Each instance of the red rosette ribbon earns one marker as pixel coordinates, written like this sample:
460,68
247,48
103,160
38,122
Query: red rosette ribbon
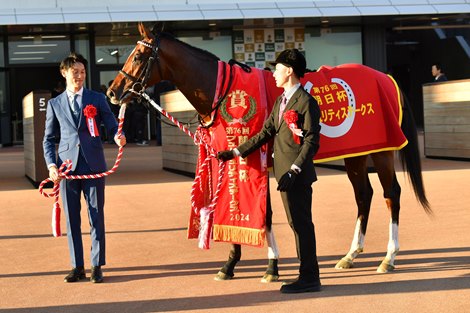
90,113
291,118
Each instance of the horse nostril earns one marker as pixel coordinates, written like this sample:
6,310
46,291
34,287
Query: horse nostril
110,94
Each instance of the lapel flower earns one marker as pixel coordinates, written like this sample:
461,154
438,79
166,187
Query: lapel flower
90,112
291,117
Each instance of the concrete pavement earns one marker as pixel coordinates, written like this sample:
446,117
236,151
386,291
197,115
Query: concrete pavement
152,267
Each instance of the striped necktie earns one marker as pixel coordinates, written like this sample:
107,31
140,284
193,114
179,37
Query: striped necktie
282,107
75,108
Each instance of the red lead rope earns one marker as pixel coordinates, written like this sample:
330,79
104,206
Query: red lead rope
206,152
65,168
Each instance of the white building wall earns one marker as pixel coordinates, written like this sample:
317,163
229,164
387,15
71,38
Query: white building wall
92,11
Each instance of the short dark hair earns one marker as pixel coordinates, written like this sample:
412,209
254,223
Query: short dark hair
438,66
71,59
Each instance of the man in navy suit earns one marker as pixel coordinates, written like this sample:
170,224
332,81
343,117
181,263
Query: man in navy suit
80,142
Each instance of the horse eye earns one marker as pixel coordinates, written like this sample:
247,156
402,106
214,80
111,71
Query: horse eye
138,57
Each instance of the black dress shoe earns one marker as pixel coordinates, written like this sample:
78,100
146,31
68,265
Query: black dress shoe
300,286
75,274
96,274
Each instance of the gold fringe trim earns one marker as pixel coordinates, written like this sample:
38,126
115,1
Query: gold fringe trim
241,235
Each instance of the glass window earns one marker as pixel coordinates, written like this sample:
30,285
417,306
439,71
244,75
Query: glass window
2,56
113,54
113,46
333,46
82,46
38,49
107,76
3,100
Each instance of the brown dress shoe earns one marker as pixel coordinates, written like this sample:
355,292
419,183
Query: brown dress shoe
75,274
96,274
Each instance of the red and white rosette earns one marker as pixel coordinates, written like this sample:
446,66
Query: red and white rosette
291,118
90,112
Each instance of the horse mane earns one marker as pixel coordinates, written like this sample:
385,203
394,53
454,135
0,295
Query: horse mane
206,53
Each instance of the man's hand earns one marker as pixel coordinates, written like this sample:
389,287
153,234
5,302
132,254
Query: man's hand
54,174
120,141
225,155
287,181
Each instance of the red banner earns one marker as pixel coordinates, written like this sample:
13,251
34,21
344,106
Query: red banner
240,212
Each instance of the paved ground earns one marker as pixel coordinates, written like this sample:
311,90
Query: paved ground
152,267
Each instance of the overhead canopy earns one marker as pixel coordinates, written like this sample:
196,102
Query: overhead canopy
23,12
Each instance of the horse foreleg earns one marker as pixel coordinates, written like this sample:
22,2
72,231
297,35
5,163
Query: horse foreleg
226,272
392,199
357,173
272,272
392,193
388,264
357,246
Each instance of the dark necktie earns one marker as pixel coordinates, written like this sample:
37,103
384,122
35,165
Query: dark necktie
282,107
75,109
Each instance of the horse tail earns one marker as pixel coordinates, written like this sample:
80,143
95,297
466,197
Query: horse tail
410,156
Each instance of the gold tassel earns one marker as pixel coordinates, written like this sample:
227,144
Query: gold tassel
241,235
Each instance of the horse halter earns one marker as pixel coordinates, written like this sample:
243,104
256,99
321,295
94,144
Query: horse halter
140,83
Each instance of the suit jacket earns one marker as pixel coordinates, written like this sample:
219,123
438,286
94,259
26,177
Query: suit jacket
73,138
441,78
286,150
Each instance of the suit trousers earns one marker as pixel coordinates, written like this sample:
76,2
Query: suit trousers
298,205
93,191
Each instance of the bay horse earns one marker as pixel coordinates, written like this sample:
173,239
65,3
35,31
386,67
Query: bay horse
159,56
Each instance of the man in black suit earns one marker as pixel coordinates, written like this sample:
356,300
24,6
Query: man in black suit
438,73
294,125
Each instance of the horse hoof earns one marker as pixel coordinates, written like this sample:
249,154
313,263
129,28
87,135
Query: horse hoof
344,263
269,278
222,276
385,267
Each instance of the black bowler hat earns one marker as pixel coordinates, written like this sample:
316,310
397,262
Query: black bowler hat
292,58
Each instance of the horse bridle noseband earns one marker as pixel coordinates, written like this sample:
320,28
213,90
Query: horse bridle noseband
140,83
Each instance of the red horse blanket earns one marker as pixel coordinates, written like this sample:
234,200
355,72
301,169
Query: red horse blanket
360,114
361,111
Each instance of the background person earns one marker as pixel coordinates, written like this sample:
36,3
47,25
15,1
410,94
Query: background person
139,123
65,116
438,73
293,161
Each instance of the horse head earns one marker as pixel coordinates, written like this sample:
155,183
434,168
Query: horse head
138,71
160,56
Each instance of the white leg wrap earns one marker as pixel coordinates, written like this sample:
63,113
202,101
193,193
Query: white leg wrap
273,251
393,246
357,244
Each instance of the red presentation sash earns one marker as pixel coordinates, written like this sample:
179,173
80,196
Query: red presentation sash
240,212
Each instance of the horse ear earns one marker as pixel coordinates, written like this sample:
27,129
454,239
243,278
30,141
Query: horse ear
144,31
158,28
